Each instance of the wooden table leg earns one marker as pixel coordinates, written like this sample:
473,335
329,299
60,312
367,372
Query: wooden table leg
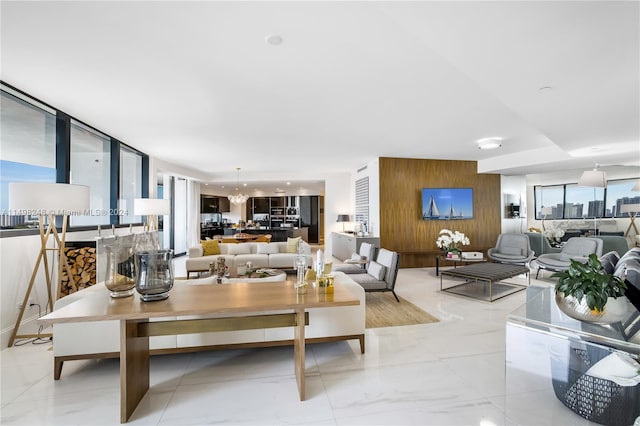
298,352
134,367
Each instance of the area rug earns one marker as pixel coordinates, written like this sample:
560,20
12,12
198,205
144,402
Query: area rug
383,310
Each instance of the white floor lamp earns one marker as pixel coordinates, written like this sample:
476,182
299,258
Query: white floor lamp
596,179
46,200
151,208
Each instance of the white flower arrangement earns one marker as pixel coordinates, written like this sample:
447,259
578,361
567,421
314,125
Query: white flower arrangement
554,234
451,240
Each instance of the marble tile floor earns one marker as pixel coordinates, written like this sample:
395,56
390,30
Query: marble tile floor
447,373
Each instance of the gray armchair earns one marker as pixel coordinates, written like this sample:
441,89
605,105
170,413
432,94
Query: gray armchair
615,243
381,274
511,248
366,252
577,248
540,244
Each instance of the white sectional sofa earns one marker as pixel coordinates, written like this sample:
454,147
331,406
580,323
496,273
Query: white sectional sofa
101,339
262,255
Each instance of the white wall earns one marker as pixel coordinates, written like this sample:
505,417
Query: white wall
337,200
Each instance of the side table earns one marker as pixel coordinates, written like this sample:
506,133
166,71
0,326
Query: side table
455,261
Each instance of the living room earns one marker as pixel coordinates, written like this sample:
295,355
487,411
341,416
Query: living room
328,93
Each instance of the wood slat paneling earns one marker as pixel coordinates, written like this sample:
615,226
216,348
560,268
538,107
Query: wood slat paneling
401,226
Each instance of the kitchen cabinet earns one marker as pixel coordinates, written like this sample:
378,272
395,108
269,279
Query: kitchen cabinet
310,216
214,204
343,245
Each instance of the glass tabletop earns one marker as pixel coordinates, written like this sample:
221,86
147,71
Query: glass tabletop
541,312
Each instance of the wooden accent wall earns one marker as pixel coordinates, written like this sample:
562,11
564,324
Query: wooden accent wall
401,226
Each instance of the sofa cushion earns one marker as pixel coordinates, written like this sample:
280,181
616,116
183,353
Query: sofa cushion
376,270
292,244
266,248
241,248
210,247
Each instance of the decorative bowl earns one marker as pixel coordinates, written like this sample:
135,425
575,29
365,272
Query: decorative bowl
615,310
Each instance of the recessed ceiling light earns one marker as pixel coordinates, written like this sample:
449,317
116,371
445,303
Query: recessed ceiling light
489,143
545,88
274,40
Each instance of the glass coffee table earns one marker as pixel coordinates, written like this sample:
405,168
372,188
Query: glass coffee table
548,359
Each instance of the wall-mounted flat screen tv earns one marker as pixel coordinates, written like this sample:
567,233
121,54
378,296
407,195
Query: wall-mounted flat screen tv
447,203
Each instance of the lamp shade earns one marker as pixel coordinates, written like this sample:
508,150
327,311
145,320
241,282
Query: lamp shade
593,178
343,218
30,198
636,187
630,208
151,206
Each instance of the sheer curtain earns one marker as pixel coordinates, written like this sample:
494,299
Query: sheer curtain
193,213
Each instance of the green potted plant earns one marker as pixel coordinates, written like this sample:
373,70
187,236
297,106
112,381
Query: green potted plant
586,292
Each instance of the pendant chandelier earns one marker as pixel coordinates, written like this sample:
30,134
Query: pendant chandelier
238,198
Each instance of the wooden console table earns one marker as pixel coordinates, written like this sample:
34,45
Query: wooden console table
248,298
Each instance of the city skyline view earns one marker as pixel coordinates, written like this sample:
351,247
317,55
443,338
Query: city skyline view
585,202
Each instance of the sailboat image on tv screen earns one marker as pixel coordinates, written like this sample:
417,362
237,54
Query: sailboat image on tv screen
432,211
446,203
451,214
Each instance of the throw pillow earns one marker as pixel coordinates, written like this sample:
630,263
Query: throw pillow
239,248
376,270
210,247
292,244
356,256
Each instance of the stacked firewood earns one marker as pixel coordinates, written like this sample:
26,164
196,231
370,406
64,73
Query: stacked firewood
82,267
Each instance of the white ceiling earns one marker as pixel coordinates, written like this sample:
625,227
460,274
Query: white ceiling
196,85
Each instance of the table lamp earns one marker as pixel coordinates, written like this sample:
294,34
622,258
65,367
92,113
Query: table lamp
47,200
151,208
343,218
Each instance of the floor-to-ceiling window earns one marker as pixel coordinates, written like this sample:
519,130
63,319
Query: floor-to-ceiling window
90,165
130,184
28,150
